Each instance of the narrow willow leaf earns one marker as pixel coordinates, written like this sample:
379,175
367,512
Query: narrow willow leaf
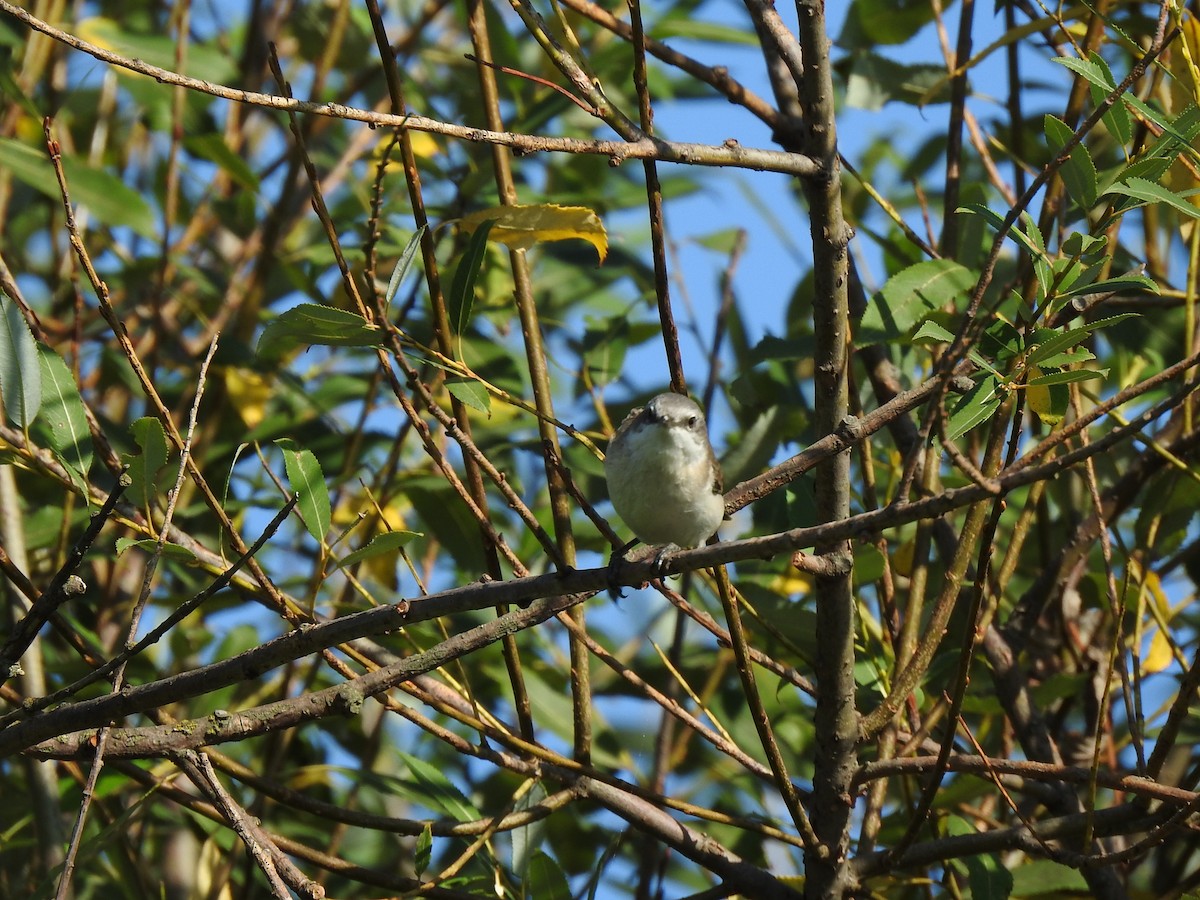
528,839
1078,172
402,265
433,789
307,481
462,291
169,549
1087,69
20,374
520,227
1116,286
1149,192
975,407
63,418
388,542
1070,376
312,323
1116,119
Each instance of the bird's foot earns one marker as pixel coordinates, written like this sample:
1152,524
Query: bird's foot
614,570
662,559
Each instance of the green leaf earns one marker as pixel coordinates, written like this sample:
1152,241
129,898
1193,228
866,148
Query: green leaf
1068,377
144,467
471,393
424,850
1001,340
1078,172
875,80
931,332
1087,69
1115,286
1046,343
212,147
387,542
546,880
975,407
313,323
988,877
20,373
434,790
170,550
462,290
911,295
1046,878
1116,119
1149,192
9,87
686,26
402,264
306,479
528,839
106,196
63,419
997,222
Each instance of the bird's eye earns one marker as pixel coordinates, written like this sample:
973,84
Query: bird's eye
692,422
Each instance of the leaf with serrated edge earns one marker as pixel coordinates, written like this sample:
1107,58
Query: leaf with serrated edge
402,265
976,406
306,479
62,415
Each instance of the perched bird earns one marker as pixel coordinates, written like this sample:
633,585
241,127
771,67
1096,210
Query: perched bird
663,477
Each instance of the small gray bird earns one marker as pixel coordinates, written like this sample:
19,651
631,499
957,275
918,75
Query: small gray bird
663,477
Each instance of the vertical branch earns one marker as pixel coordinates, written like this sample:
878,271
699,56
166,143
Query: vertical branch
836,722
662,291
954,138
560,500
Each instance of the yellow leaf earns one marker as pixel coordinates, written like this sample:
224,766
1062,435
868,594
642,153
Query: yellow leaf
1159,656
902,558
792,583
424,146
1182,91
249,391
1040,400
521,227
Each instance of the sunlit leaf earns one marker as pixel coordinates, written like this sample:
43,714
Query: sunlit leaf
249,391
975,407
1149,192
145,466
403,264
312,323
910,295
62,418
306,480
471,393
521,227
1078,172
